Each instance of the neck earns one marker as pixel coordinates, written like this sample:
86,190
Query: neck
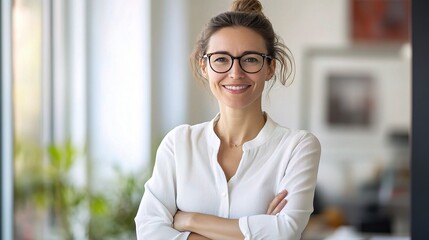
234,128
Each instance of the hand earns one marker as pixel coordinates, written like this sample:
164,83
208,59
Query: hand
182,221
278,203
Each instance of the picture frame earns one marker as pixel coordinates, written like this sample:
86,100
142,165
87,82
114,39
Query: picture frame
380,21
349,93
371,83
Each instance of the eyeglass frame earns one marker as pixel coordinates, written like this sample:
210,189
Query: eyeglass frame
264,56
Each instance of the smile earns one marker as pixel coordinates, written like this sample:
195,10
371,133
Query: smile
236,88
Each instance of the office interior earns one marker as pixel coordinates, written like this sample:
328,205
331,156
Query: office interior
97,84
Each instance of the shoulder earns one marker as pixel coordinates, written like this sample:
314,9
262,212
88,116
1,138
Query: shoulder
297,138
181,138
189,129
305,144
299,147
305,136
288,134
186,131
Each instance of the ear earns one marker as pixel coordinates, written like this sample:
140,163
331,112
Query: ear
203,68
271,70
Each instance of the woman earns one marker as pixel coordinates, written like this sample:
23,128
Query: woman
227,178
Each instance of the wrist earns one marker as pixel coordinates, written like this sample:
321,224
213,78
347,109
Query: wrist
191,221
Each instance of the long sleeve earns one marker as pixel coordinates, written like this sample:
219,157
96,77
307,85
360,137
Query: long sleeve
187,176
300,181
154,218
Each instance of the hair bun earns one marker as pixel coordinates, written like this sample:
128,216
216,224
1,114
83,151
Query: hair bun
249,6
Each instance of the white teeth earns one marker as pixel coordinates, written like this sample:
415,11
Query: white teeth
235,88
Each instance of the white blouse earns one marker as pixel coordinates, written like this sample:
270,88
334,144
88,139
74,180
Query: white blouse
187,176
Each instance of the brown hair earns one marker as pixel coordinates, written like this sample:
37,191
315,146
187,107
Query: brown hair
246,13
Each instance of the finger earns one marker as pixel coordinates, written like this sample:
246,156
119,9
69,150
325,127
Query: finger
279,207
281,195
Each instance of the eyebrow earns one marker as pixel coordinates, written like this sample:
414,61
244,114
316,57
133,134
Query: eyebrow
244,53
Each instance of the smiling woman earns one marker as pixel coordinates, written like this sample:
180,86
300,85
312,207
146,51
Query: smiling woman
239,85
240,175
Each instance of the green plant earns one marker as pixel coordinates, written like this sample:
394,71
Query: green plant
44,182
114,218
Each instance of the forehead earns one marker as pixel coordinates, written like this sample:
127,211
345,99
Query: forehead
236,40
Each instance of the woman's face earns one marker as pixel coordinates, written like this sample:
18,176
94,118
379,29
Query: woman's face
237,88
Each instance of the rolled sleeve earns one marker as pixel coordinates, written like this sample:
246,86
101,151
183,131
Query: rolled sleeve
281,227
154,219
300,180
244,227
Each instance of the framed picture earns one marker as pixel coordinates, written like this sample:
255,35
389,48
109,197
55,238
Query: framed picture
350,98
353,99
380,20
354,95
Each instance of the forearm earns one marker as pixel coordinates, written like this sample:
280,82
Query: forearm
159,231
196,236
214,227
203,226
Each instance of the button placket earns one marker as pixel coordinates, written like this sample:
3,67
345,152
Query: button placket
224,201
222,187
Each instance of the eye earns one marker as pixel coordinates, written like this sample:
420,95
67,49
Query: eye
252,58
220,58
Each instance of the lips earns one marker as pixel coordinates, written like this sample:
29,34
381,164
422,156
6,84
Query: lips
236,87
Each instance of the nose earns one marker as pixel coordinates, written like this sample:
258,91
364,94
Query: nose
236,72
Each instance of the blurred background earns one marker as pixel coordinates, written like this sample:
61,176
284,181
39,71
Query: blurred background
95,85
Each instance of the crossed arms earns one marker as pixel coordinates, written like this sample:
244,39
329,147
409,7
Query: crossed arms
204,226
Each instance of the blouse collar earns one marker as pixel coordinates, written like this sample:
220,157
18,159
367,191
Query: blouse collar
263,136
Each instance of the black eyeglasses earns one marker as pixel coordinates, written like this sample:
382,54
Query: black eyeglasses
251,62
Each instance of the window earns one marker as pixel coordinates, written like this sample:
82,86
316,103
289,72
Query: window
81,109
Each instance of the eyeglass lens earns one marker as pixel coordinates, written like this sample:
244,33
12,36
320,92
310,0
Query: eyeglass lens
250,63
